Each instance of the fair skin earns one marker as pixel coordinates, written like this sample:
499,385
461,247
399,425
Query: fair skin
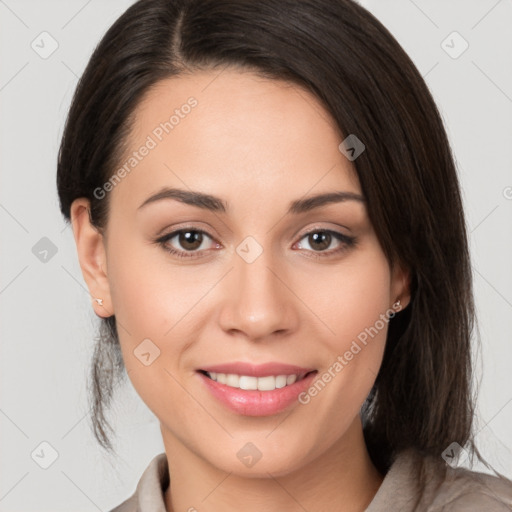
257,144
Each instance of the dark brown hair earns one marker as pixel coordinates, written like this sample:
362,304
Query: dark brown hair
344,56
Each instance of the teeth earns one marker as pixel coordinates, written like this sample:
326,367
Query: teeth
268,383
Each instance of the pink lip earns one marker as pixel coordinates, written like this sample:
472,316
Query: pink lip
255,402
257,370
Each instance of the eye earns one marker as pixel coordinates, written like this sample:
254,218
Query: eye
190,242
321,239
187,240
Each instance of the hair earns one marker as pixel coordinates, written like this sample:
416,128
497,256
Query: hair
350,62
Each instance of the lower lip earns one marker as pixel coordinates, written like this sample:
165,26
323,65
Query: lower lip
255,402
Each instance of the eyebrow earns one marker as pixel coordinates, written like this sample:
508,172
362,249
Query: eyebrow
215,204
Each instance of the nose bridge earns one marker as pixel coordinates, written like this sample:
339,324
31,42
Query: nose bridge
258,303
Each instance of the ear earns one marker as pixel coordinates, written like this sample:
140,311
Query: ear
92,257
400,285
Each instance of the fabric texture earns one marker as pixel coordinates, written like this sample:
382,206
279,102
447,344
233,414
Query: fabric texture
446,488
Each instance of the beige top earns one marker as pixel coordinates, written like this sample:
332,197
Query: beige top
447,489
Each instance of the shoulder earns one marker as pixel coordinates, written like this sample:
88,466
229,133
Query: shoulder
423,483
129,505
465,490
149,494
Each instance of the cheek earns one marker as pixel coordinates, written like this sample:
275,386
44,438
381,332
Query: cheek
157,306
139,291
356,296
149,294
355,307
149,312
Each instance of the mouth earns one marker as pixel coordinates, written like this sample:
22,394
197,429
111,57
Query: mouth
273,389
252,382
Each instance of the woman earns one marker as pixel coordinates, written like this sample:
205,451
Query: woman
268,217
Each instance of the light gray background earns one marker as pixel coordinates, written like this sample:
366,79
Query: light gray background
47,324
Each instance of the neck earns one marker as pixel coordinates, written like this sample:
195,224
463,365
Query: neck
341,478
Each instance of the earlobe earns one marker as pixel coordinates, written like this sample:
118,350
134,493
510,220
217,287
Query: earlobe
92,257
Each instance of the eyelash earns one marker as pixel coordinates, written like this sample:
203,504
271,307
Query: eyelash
347,242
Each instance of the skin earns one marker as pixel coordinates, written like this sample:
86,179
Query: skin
258,144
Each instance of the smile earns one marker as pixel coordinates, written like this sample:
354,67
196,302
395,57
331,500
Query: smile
249,382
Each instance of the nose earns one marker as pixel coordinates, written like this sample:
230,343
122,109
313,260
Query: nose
258,302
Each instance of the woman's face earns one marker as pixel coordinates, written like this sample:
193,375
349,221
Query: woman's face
255,280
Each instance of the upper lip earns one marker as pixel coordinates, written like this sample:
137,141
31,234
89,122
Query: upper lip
257,370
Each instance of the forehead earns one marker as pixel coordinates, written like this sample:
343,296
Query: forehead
232,132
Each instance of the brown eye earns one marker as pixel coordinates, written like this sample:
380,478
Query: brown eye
320,240
190,240
186,243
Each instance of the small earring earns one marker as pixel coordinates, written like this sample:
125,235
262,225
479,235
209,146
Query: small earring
99,301
397,304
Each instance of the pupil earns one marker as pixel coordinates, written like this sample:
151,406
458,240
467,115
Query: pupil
321,239
190,239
